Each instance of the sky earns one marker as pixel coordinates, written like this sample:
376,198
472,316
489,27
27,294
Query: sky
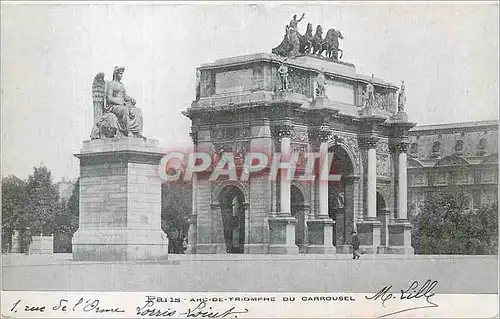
446,53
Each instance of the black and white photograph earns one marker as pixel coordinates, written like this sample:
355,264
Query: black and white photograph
249,159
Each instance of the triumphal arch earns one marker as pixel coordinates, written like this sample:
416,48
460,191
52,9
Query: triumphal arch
301,99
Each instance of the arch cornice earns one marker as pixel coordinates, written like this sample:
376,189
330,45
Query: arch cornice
219,187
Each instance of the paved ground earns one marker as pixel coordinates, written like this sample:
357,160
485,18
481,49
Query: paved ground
252,273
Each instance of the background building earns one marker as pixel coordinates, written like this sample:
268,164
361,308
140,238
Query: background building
463,155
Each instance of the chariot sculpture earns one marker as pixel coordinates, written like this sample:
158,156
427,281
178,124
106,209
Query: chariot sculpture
294,43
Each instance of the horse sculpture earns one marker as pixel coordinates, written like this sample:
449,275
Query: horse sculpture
317,41
331,44
306,40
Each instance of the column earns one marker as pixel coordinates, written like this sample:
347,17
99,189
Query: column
403,182
192,232
399,237
320,229
323,183
282,227
285,183
372,177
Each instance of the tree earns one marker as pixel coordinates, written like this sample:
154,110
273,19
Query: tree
13,203
176,207
67,221
13,200
42,204
446,225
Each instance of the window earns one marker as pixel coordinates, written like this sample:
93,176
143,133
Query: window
488,177
418,179
441,179
488,198
463,178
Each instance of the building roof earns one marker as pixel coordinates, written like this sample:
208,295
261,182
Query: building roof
459,125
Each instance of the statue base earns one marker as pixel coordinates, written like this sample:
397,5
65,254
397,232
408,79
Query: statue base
282,233
120,201
320,236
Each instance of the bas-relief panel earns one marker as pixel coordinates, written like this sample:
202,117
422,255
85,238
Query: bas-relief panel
383,165
230,133
234,81
300,82
340,92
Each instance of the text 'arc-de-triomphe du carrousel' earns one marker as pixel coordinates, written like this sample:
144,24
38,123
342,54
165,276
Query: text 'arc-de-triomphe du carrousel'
302,98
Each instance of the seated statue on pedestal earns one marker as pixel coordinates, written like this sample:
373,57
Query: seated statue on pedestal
115,114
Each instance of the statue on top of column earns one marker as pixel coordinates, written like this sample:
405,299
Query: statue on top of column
402,98
283,77
115,113
369,95
320,84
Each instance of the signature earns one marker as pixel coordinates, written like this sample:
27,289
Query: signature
202,310
412,292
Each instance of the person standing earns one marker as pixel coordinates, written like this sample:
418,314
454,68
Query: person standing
27,240
355,245
184,244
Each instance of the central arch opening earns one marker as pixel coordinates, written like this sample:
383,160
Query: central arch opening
338,193
298,211
232,200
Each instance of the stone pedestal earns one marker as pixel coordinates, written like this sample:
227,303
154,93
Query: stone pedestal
120,201
16,242
400,238
369,235
192,234
320,236
282,235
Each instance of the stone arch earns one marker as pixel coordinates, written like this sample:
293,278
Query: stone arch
298,210
381,202
225,184
233,215
413,163
356,169
303,190
452,160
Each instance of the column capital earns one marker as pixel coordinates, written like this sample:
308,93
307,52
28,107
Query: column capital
370,141
192,218
279,131
320,134
398,147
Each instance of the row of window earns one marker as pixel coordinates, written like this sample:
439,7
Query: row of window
445,178
477,198
459,146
